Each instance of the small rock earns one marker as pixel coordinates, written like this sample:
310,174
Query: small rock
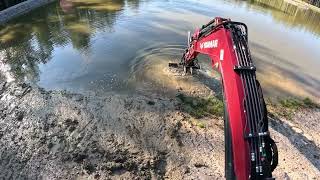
24,85
2,85
78,158
78,98
129,165
90,168
297,130
50,145
308,136
199,165
286,176
19,116
72,128
96,176
113,166
69,122
46,128
42,140
186,170
134,151
151,103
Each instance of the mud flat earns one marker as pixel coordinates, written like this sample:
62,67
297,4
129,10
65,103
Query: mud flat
60,135
55,135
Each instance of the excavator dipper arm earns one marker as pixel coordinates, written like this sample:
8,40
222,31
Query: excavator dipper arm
250,152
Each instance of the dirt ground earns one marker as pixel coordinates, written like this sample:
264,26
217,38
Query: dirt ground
60,135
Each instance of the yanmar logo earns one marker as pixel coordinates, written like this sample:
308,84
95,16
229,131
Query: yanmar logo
209,44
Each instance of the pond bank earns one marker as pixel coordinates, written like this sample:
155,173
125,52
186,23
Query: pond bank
21,8
305,5
60,135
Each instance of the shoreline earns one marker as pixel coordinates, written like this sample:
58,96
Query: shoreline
21,9
304,4
57,134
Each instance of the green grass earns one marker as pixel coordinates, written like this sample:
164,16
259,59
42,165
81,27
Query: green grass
288,106
294,103
201,107
309,103
291,103
201,125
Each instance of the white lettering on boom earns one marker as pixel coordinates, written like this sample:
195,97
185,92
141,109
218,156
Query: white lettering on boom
209,44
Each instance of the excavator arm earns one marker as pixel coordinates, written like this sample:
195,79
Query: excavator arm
250,151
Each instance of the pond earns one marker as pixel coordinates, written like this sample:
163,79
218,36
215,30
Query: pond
104,45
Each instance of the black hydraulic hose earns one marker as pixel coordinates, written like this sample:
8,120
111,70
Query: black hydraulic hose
249,110
252,78
253,81
252,103
265,166
254,100
256,108
247,105
253,87
256,87
262,140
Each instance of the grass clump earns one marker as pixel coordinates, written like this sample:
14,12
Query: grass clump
201,125
288,106
294,103
309,103
291,103
200,107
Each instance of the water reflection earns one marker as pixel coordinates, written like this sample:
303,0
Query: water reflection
30,40
291,14
93,44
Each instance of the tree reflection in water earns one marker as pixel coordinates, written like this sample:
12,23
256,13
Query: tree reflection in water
290,14
30,40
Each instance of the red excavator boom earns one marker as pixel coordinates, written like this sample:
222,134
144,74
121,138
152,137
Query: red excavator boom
250,151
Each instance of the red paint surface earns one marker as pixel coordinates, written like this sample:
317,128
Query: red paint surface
233,91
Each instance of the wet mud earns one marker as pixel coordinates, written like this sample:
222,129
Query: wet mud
60,135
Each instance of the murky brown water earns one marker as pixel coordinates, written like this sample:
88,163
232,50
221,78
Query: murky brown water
104,45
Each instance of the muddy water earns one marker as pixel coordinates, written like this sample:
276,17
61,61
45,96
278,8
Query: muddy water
125,45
